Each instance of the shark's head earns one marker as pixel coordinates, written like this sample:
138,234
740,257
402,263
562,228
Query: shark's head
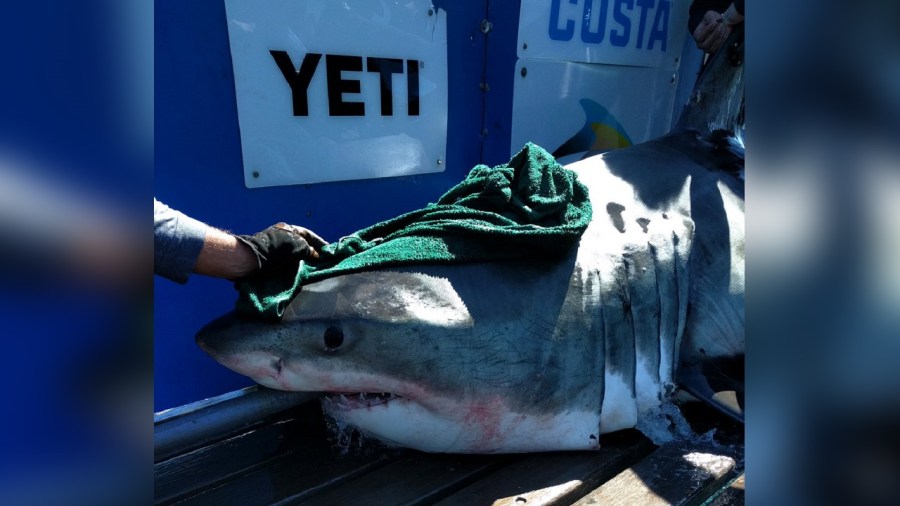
399,356
368,341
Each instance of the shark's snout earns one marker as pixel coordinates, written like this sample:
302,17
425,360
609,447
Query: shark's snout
223,333
243,345
215,327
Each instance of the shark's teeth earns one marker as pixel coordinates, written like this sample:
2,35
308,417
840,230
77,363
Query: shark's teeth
365,397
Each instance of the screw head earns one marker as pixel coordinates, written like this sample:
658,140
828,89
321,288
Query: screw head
255,173
524,72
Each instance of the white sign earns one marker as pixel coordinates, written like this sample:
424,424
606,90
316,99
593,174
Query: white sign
338,90
585,106
646,33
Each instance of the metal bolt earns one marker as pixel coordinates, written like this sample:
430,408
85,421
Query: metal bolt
431,12
440,162
255,173
486,26
525,45
524,72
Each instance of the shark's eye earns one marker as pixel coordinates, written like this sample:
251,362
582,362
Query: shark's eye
334,338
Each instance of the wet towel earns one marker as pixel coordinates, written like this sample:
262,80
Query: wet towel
531,207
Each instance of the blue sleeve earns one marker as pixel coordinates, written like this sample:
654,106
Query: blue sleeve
177,241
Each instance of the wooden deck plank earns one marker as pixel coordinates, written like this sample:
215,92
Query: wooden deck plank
418,478
679,474
292,458
191,472
553,478
208,466
732,495
180,430
291,479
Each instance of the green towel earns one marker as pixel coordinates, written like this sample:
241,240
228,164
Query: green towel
531,207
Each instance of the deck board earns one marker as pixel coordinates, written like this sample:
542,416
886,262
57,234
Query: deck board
219,462
417,478
296,459
553,478
290,479
678,474
732,495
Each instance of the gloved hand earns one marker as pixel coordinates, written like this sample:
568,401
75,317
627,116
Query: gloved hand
282,245
712,31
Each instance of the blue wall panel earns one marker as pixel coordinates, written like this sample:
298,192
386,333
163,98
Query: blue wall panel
199,171
500,76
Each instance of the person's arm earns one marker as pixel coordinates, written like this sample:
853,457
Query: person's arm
224,256
183,245
177,242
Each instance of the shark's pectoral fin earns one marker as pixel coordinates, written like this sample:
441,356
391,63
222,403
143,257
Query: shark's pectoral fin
718,382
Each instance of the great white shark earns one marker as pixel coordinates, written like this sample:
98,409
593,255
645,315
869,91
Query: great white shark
534,355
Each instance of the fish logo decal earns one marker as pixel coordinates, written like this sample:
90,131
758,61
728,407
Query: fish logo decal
601,132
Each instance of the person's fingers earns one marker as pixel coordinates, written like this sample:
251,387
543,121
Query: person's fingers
715,39
707,26
706,42
712,41
721,35
703,31
311,237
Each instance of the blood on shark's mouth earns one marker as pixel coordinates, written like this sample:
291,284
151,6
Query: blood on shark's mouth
360,399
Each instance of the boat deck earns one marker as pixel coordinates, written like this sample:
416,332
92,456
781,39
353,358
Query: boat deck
290,456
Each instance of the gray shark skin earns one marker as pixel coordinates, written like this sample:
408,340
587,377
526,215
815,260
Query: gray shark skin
525,356
535,355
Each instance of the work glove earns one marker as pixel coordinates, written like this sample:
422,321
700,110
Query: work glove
282,246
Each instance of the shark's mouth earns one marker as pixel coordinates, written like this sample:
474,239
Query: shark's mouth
348,401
